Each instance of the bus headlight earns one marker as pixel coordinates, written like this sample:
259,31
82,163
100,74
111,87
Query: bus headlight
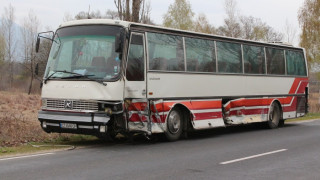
108,110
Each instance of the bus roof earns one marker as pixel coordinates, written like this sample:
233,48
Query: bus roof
127,24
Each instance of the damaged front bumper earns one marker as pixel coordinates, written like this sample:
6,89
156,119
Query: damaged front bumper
69,122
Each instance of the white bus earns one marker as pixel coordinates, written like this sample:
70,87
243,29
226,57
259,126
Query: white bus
105,77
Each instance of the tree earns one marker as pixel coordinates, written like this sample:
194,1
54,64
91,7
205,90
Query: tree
29,32
289,32
2,50
231,25
137,12
309,21
179,15
7,28
67,17
88,15
112,14
2,56
246,27
254,29
201,24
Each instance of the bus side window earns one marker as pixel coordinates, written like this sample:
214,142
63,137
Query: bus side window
200,55
275,61
254,61
229,57
295,63
165,52
135,64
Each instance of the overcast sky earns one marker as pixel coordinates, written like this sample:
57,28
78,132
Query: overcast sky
51,12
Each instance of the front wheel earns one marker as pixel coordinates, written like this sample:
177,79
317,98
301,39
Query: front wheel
274,116
174,125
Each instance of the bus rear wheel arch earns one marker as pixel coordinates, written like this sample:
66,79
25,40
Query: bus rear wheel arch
177,123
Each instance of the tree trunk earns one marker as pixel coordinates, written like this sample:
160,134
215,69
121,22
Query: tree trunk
136,10
30,85
127,18
31,80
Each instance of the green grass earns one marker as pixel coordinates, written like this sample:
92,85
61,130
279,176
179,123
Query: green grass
309,116
63,142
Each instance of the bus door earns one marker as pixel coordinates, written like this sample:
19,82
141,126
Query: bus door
135,85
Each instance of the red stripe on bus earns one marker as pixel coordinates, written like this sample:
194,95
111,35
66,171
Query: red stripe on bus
207,115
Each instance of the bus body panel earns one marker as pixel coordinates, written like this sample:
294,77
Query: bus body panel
209,85
208,100
88,90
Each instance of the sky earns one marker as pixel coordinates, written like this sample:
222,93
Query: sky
51,12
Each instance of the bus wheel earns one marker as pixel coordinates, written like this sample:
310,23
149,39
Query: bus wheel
274,116
174,125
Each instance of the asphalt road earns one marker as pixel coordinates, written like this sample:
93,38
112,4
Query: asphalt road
248,152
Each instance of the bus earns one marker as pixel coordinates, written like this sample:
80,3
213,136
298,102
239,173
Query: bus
104,77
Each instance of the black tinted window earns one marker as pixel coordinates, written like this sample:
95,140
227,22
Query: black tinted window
135,65
275,61
296,63
200,55
165,52
254,61
229,57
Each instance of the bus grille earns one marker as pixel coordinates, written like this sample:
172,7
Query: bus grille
57,104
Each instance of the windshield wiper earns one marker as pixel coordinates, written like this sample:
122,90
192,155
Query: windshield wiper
76,75
85,76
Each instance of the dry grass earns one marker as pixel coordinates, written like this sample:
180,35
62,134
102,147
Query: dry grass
18,119
314,102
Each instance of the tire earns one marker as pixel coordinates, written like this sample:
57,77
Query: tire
174,125
274,116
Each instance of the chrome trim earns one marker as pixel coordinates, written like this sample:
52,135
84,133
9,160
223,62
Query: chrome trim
101,119
59,117
53,124
77,105
85,127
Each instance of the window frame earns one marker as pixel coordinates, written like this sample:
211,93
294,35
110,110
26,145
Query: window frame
144,55
201,36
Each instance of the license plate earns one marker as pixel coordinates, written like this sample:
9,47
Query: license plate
68,126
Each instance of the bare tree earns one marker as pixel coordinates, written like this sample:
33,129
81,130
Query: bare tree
231,25
289,32
135,13
112,14
67,17
7,28
201,24
145,14
29,32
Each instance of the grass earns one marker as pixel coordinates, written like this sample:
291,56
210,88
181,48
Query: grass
63,142
308,116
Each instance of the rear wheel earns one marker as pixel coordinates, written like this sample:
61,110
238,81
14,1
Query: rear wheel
274,116
174,125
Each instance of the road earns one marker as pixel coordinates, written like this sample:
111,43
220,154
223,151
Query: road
247,152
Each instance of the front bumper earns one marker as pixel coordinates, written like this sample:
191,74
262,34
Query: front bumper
86,123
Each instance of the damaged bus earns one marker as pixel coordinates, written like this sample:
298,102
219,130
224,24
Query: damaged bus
105,77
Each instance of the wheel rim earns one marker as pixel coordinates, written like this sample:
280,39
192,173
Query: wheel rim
174,122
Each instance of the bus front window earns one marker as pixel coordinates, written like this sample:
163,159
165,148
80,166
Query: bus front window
85,50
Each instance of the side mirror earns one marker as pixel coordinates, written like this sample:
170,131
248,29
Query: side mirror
36,70
37,44
118,44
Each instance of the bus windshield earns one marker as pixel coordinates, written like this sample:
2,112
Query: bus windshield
84,50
